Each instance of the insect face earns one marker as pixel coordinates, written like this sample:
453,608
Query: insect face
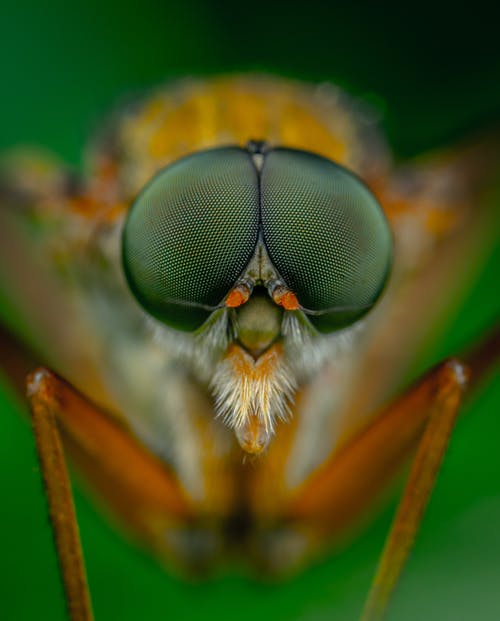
216,230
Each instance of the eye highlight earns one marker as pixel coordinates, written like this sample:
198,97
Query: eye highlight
326,235
190,233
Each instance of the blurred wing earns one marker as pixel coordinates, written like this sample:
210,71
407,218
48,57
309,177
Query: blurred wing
42,233
443,211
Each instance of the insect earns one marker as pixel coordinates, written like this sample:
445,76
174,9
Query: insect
239,282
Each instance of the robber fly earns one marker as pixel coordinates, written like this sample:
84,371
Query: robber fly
226,303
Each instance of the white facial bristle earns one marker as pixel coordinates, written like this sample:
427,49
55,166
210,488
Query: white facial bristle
238,396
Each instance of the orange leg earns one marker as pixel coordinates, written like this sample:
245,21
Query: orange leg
353,477
452,379
60,500
428,458
136,485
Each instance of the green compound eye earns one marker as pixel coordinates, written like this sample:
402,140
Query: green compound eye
190,233
326,235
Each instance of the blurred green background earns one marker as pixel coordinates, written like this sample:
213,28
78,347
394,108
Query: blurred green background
433,74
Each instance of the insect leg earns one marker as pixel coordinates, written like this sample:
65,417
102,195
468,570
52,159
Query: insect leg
354,476
138,487
453,377
59,496
448,382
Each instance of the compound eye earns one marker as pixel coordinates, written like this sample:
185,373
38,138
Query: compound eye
190,233
326,235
